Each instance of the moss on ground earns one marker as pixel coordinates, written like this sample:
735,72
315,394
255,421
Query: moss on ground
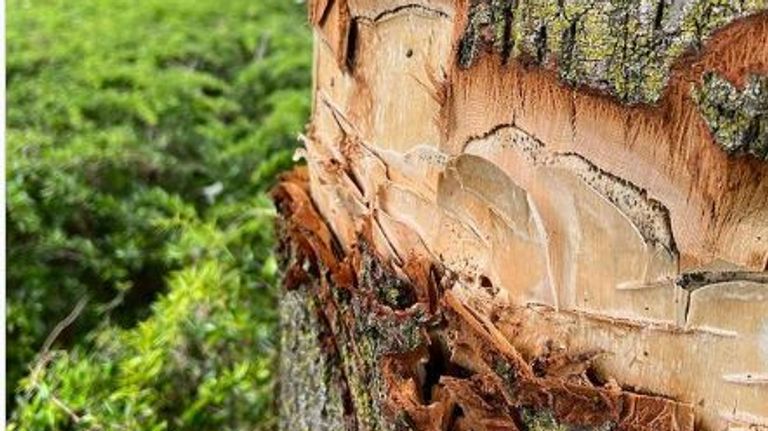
141,139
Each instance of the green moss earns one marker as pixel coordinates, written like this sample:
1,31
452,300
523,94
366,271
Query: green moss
389,289
403,421
738,119
504,370
543,420
141,137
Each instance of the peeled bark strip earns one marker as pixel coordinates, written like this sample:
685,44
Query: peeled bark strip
546,215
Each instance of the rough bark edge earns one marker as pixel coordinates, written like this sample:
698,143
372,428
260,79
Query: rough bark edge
411,355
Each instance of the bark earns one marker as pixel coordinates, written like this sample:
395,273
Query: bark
546,215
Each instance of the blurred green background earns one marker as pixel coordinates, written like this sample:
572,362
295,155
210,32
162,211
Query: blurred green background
141,139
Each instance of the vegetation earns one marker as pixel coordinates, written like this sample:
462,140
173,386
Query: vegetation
142,137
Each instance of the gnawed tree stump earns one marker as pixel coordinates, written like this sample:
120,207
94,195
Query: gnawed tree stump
546,215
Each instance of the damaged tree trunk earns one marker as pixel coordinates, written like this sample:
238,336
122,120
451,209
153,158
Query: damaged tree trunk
530,215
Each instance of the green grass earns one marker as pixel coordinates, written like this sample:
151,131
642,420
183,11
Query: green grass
142,137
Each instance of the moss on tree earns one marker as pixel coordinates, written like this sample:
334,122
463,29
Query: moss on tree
738,119
622,47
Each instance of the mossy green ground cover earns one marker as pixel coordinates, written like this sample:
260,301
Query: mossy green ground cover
141,138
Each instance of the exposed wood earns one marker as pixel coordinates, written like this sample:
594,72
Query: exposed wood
575,190
413,355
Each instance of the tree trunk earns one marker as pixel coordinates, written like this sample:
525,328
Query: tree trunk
544,215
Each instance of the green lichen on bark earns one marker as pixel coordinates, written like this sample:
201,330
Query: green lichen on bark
374,318
622,47
359,362
480,19
310,397
377,330
385,284
738,119
374,335
543,420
